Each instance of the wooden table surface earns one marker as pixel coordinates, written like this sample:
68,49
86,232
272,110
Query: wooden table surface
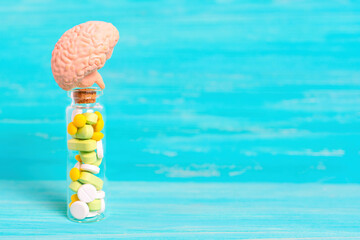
165,210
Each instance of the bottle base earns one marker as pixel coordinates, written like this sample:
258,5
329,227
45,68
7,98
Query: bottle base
96,218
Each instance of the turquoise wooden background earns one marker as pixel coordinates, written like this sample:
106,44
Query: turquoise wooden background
196,90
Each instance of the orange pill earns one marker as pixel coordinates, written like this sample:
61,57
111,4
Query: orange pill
74,198
79,120
71,129
99,126
74,174
97,136
78,158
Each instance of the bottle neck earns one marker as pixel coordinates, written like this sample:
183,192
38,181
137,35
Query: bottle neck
85,105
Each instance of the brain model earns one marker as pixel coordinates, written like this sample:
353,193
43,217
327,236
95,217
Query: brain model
80,52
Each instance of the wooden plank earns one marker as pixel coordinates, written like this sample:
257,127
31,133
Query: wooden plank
36,210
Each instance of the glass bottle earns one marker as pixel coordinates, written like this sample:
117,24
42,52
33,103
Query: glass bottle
86,183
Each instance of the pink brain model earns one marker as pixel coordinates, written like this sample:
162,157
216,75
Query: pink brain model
80,52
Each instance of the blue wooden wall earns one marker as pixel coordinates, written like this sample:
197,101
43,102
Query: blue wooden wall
196,90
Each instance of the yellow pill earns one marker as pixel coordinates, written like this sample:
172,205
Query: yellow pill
71,129
71,203
78,158
97,136
79,120
99,126
99,115
74,198
74,174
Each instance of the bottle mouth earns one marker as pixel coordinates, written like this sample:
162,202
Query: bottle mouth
85,95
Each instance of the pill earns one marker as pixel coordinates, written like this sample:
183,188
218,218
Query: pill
92,214
75,112
90,168
85,132
70,203
97,136
89,110
102,206
98,162
79,120
99,125
81,145
87,193
95,205
100,194
99,115
78,158
88,157
91,118
74,198
74,174
71,129
74,186
77,165
99,149
86,177
79,210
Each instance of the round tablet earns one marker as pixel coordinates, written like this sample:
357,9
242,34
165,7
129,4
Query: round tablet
79,210
102,209
87,193
100,194
90,168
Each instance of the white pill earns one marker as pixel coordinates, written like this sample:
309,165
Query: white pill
100,195
89,110
99,148
78,165
90,168
87,193
93,214
79,210
102,209
75,112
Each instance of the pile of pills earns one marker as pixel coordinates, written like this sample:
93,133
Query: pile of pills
85,130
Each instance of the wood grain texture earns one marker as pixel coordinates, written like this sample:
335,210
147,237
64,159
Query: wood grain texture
264,91
160,210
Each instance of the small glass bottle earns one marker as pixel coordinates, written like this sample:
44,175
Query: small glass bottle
86,181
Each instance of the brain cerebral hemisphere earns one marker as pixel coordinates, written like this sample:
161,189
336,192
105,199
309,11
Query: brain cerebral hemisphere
80,52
